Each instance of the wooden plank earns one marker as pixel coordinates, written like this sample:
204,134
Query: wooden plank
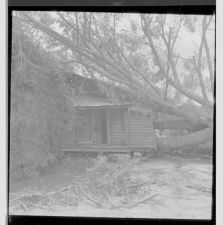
150,133
141,148
154,138
145,124
129,130
91,147
139,144
141,131
139,120
141,125
136,129
118,127
118,123
108,125
117,132
136,135
117,138
107,146
114,150
142,142
143,135
121,135
97,150
144,139
90,124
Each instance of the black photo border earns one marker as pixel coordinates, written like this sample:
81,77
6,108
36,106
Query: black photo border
198,7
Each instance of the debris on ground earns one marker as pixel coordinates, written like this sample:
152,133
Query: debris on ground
167,187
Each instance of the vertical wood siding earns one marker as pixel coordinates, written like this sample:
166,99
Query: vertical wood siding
119,127
141,130
139,127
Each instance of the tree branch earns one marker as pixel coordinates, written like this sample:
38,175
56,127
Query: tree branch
200,77
178,29
175,84
170,48
211,73
106,67
198,67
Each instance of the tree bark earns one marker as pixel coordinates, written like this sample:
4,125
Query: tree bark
177,124
192,139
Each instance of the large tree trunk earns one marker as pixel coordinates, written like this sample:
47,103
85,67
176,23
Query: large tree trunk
194,117
177,124
193,114
191,139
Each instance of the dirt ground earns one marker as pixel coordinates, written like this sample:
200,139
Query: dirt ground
181,188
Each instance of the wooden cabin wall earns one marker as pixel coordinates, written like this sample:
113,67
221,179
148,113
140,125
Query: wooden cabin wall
141,130
119,126
124,128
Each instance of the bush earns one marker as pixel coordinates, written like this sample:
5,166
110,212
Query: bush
40,109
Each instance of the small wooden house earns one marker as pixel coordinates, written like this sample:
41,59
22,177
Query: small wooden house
112,128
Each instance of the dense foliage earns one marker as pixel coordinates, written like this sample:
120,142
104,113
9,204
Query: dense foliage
40,108
139,54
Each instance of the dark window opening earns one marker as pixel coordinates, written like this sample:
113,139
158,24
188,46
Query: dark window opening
104,138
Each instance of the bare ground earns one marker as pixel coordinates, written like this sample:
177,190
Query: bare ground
170,188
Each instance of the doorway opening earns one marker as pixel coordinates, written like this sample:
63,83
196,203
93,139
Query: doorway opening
104,135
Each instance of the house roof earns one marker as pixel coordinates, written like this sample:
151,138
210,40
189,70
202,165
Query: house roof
141,109
84,102
91,102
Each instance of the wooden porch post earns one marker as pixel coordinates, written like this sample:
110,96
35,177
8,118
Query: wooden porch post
128,115
108,125
154,136
90,125
129,134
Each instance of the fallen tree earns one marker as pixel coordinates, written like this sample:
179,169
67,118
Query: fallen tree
103,52
177,125
191,139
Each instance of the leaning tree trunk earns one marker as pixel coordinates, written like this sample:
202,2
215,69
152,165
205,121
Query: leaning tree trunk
179,124
193,117
191,139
